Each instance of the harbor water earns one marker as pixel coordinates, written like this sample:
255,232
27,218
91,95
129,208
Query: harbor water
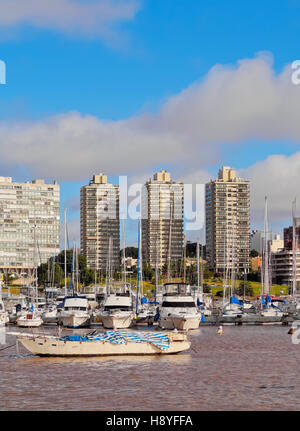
245,368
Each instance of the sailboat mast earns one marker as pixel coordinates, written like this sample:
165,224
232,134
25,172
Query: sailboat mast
201,271
71,275
198,269
34,299
266,251
65,257
77,269
124,257
109,265
184,259
225,267
138,270
156,269
170,241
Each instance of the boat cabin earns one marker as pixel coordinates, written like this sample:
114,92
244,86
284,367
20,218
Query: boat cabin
118,302
72,303
172,289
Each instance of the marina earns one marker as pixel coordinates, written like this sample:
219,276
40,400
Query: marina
149,210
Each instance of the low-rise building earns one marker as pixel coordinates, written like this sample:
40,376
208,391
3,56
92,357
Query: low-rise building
283,267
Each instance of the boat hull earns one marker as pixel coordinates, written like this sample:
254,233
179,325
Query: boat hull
23,322
185,322
117,322
4,319
166,323
75,321
41,346
50,317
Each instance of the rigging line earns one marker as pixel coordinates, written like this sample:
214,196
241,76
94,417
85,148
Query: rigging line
67,236
7,347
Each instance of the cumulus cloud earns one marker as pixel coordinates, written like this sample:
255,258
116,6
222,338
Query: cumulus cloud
76,17
231,105
278,178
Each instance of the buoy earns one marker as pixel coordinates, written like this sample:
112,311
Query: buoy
220,330
291,331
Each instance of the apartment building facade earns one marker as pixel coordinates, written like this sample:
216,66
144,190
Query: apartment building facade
29,225
288,235
100,224
285,266
227,201
162,220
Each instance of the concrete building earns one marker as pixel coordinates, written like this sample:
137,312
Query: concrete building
228,222
276,244
100,224
288,235
162,220
283,267
29,225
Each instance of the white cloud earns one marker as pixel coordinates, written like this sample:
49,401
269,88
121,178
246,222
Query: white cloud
75,17
278,178
231,105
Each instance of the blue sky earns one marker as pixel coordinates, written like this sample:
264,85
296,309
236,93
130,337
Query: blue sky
135,69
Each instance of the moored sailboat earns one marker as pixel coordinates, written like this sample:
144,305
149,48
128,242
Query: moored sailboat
105,344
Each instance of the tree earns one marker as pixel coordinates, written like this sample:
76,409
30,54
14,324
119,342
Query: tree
130,252
148,272
191,249
245,288
44,273
86,275
207,273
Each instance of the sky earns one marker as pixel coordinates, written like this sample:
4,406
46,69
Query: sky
129,87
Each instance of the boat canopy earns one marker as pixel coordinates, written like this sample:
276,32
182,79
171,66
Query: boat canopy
159,339
234,300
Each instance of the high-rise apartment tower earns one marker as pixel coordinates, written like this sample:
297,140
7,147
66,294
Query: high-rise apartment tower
100,224
228,222
29,225
162,220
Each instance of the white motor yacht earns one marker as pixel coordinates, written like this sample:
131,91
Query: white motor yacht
75,312
118,311
178,309
30,319
50,314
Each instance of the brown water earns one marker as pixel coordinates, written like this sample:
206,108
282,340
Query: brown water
246,368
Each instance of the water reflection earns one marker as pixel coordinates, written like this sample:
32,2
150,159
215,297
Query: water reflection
183,358
2,335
